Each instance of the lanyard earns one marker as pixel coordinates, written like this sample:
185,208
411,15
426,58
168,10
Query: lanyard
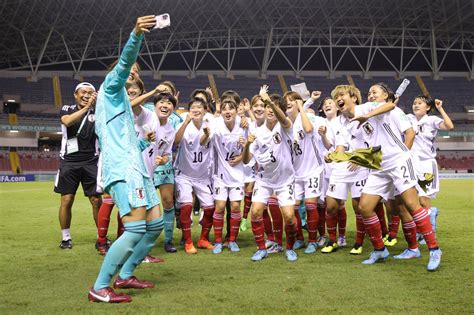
83,122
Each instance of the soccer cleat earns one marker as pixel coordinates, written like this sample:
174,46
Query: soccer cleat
259,255
107,295
149,259
102,248
291,255
132,283
234,247
377,256
243,225
298,245
435,259
341,241
433,215
408,254
329,247
169,247
205,244
390,242
356,250
269,244
311,248
67,244
190,249
275,249
217,248
321,240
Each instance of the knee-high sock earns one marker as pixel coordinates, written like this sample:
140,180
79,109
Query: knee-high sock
394,225
322,219
423,224
409,230
247,203
235,217
207,221
218,222
299,229
331,223
302,212
312,216
120,227
267,223
372,227
290,231
143,247
342,221
103,220
119,252
379,210
185,220
258,231
360,230
168,219
277,220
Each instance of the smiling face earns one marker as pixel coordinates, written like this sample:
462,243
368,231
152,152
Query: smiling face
377,94
269,114
258,109
134,74
133,91
291,106
82,96
345,102
330,108
420,108
228,112
197,110
163,108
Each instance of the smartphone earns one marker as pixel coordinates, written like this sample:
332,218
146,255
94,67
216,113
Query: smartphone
162,21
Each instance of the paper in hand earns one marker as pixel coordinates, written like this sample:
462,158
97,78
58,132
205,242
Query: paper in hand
301,89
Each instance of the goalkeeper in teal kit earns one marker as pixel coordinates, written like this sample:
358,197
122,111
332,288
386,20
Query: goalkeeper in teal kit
125,177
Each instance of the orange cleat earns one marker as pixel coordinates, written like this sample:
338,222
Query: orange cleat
190,249
205,244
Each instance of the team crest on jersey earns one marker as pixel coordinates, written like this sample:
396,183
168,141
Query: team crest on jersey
367,127
301,135
140,193
91,118
277,138
332,187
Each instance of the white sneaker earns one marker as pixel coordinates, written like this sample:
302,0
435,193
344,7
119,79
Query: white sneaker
321,240
341,241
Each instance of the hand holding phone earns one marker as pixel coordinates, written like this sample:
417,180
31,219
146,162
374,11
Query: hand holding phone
162,21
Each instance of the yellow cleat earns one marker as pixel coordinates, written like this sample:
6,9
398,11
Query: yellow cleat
190,249
390,242
329,248
356,250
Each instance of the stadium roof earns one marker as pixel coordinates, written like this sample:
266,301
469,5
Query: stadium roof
263,36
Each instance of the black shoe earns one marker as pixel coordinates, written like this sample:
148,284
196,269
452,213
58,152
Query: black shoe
66,244
169,247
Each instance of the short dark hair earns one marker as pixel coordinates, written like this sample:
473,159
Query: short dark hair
197,100
165,96
232,94
429,101
202,91
229,102
170,85
279,101
391,95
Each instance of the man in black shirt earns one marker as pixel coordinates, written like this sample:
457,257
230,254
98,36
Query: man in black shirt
79,157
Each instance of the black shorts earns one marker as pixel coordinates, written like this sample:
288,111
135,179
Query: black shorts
71,174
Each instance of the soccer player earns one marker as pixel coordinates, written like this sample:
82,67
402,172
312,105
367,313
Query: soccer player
271,147
307,164
78,158
125,177
228,175
193,173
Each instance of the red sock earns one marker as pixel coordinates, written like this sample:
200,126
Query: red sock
331,223
247,203
267,222
379,210
342,221
277,221
409,230
120,227
312,219
422,221
372,227
258,232
185,219
322,219
235,218
103,221
360,230
206,223
299,229
394,225
218,223
290,231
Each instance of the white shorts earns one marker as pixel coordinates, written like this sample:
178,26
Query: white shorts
249,173
309,187
285,194
391,182
222,191
340,190
429,166
202,189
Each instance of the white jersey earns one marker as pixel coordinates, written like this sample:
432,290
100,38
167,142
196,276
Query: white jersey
307,158
386,131
226,145
194,160
331,127
144,123
426,130
272,152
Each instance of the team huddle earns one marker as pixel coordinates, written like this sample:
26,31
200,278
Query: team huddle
290,164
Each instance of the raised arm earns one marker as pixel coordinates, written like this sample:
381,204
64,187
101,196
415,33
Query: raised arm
307,125
447,123
246,155
379,110
180,133
280,115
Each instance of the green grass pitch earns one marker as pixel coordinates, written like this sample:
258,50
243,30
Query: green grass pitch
38,277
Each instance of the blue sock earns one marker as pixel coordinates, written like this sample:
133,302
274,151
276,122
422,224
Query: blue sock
119,252
302,211
168,218
153,230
